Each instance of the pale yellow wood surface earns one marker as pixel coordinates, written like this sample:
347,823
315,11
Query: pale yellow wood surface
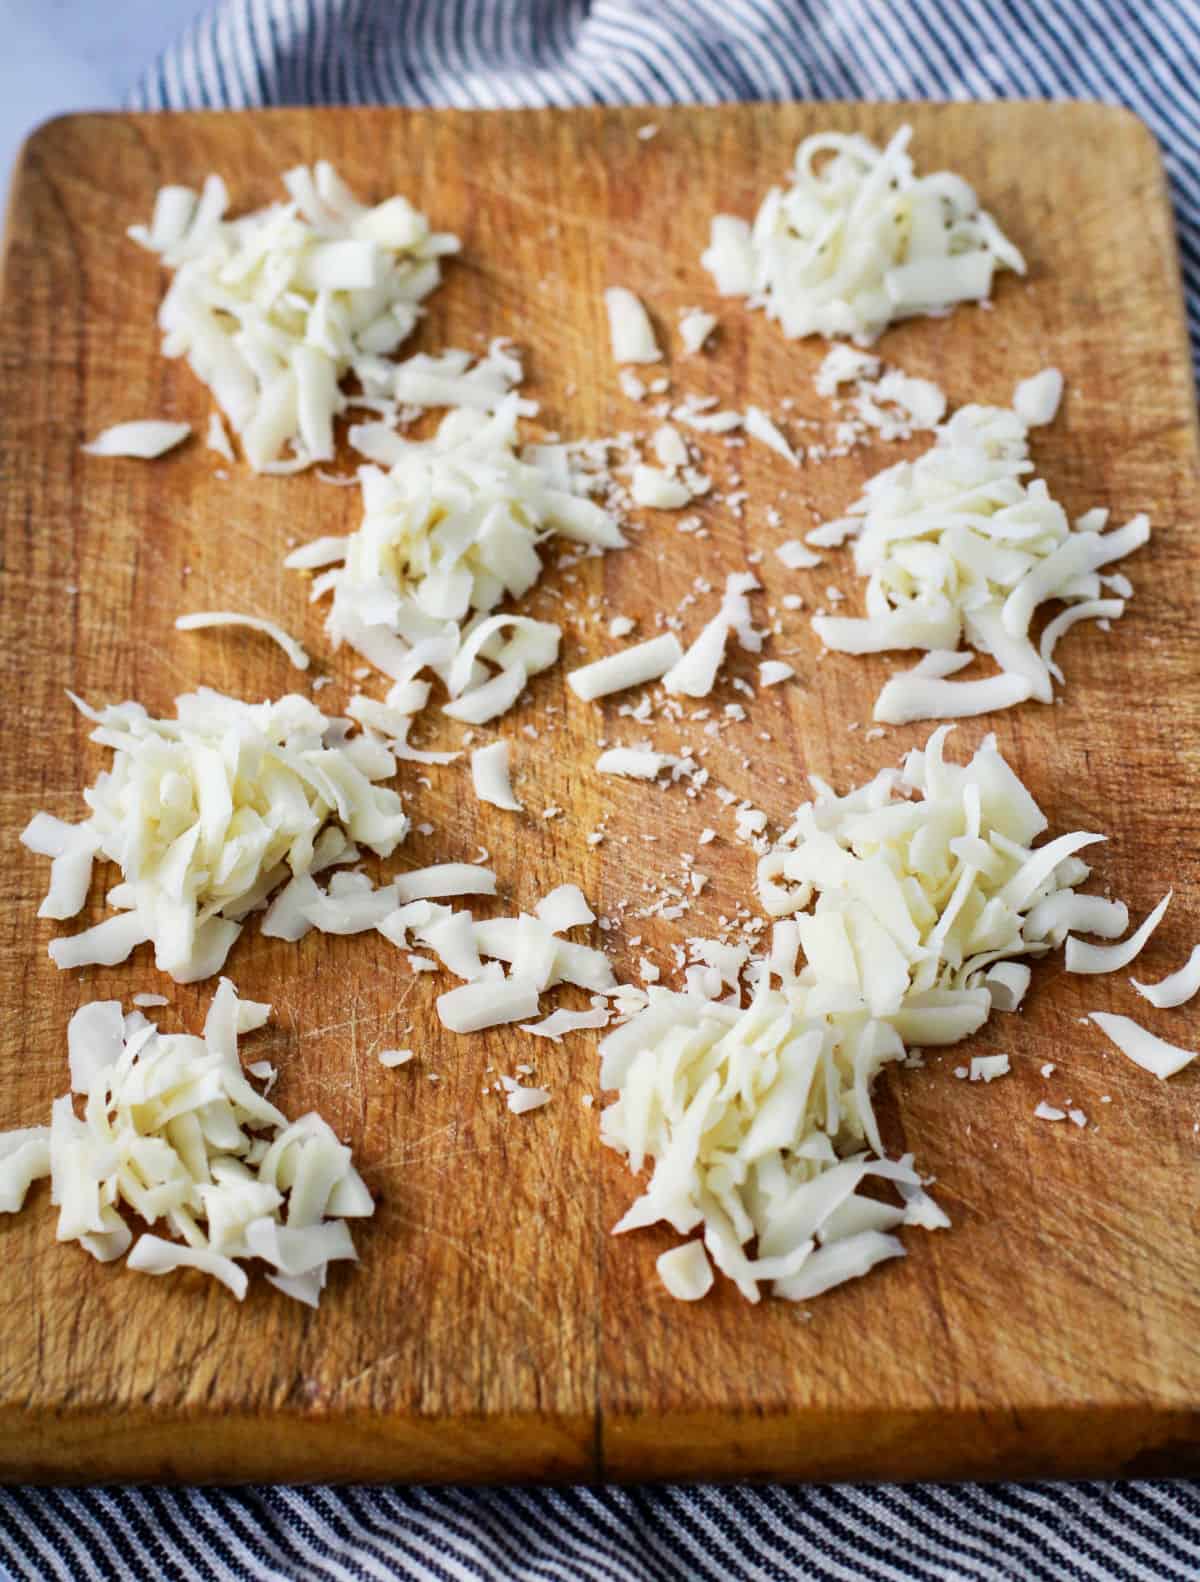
492,1328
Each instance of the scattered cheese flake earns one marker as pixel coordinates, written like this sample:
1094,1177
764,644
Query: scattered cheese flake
488,1003
1143,1048
522,1100
797,557
1036,400
395,1057
1082,957
844,365
685,1271
634,762
216,438
695,327
1177,989
145,439
654,487
630,668
490,777
772,671
205,618
444,879
759,426
986,1068
696,672
630,331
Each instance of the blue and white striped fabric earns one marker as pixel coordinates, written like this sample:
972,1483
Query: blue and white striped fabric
531,52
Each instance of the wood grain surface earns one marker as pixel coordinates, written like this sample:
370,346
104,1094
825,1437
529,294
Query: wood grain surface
493,1329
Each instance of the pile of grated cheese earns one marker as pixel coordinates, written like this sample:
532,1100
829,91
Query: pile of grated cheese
170,1131
274,308
961,544
858,240
912,899
449,530
206,815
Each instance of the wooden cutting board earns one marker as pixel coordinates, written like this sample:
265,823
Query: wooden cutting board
493,1329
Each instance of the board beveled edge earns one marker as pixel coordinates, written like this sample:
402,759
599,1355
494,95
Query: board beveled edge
986,1445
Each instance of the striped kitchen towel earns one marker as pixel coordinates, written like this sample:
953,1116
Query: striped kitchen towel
534,52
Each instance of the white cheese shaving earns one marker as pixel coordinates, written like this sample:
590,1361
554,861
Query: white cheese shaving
1036,400
1087,610
24,1159
908,697
669,446
797,556
636,763
685,1271
1143,1048
772,671
172,1132
759,426
217,439
1007,982
490,777
488,1003
521,1100
844,365
144,439
896,404
564,908
395,1057
632,667
273,309
320,552
695,328
986,1068
629,328
696,672
1176,989
858,240
659,489
1082,957
454,379
444,879
559,1023
207,814
205,618
1056,914
1048,1112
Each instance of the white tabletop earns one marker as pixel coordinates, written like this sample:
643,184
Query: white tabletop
60,55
